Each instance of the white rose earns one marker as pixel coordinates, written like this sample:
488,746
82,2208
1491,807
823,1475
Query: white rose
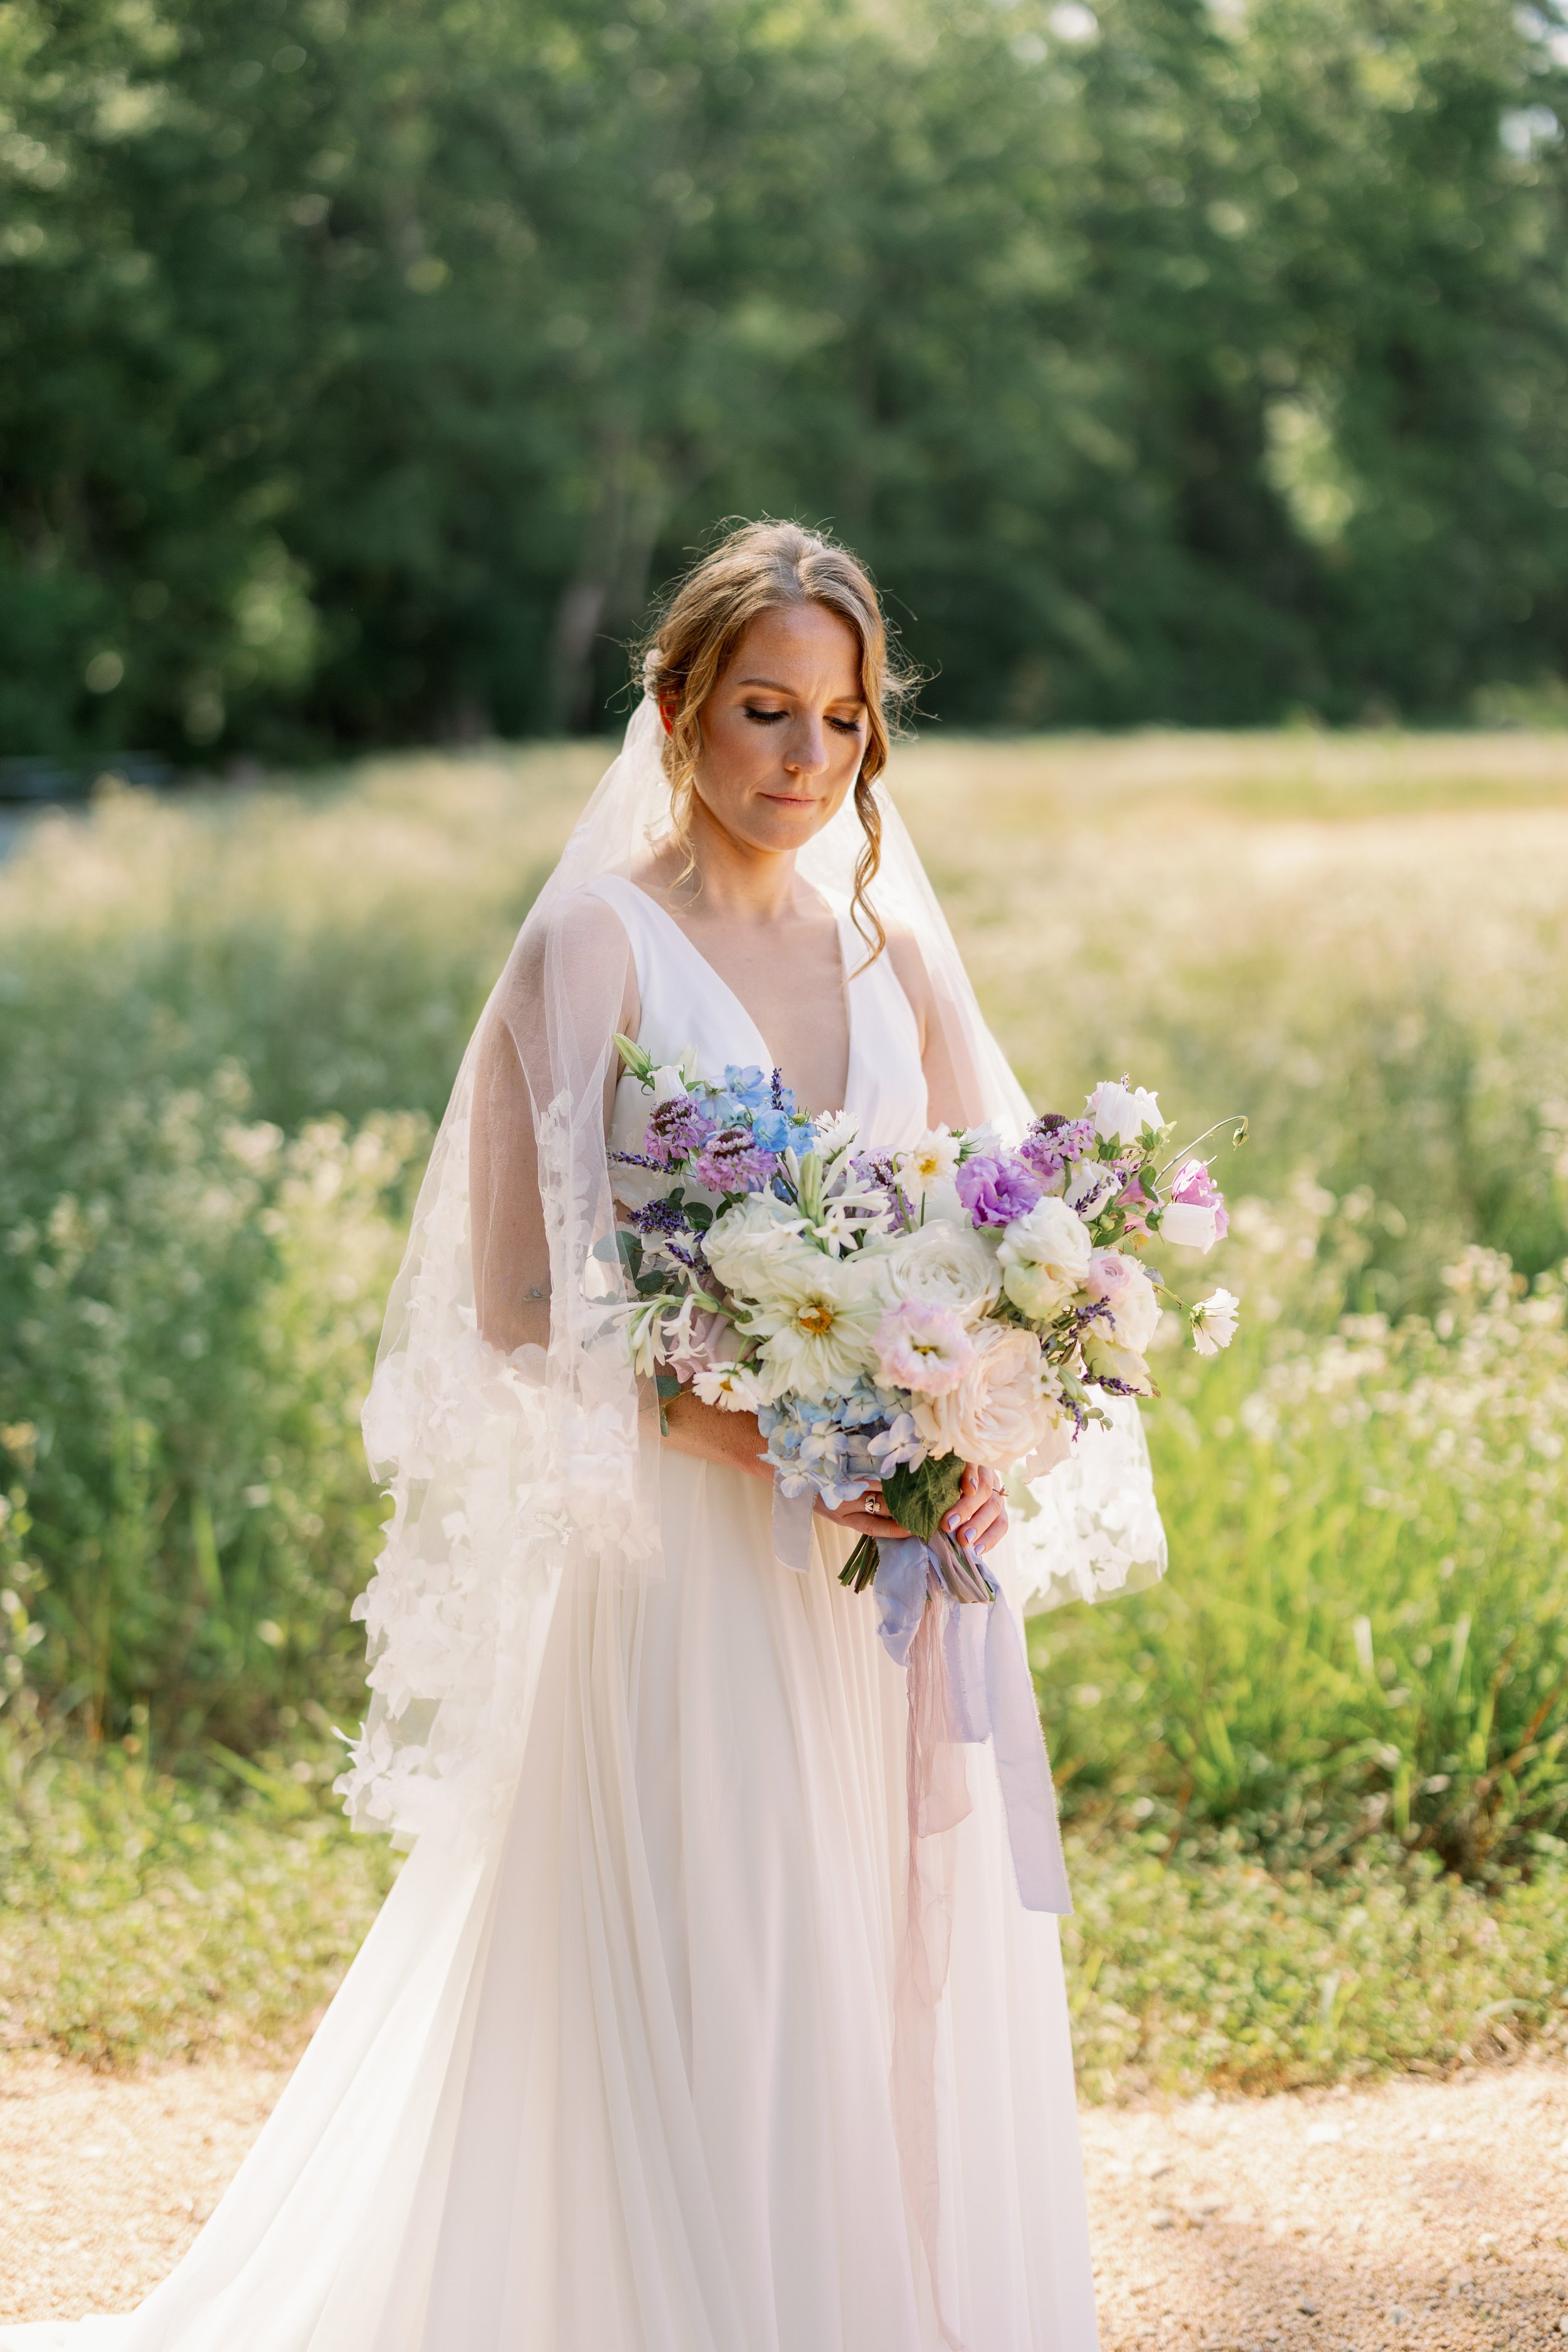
1001,1412
1043,1256
1187,1225
748,1244
942,1264
1122,1112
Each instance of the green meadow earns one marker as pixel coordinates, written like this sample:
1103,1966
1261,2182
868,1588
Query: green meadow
1316,1782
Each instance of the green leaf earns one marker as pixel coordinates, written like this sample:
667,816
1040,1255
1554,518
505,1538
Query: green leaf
920,1499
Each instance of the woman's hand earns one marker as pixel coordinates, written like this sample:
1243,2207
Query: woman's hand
868,1516
979,1517
976,1521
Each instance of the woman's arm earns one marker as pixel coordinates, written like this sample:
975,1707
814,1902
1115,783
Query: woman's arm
953,1090
566,988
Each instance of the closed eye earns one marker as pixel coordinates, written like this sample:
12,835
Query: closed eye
771,717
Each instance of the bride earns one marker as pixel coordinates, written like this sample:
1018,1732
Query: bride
624,2063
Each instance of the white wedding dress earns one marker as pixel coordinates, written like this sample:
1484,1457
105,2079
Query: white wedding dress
626,2087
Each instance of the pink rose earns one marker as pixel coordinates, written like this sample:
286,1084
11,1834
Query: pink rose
1115,1282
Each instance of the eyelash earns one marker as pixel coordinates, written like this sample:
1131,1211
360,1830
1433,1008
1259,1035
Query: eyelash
769,718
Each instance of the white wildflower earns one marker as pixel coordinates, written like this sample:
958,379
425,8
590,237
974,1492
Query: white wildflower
1121,1112
1187,1224
734,1388
1214,1321
932,1161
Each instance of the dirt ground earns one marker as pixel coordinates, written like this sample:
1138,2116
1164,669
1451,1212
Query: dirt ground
1415,2215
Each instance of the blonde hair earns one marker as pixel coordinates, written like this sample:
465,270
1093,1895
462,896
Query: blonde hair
753,570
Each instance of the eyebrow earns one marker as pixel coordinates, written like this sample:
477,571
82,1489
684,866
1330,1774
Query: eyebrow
774,687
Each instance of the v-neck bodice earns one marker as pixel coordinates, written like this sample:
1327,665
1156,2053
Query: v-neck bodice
685,1003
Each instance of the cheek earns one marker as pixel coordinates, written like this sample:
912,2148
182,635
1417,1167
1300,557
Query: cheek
733,755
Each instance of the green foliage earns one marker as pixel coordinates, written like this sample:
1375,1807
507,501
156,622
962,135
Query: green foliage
1357,941
1366,1626
194,1252
139,1918
361,369
1193,1966
142,1918
188,1323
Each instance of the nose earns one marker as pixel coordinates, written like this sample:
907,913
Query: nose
808,751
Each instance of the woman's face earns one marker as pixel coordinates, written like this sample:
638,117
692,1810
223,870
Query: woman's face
784,730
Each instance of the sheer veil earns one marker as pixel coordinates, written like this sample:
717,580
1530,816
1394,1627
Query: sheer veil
512,1463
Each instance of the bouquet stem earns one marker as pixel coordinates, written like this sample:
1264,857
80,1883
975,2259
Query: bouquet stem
860,1569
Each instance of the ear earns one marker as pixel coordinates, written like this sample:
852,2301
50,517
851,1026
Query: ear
669,705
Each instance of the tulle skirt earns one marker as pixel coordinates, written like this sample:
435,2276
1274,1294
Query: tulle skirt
623,2085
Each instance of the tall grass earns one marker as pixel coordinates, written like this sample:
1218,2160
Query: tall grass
228,1025
1365,1628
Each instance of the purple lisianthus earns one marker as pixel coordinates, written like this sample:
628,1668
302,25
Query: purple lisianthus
675,1130
734,1162
996,1189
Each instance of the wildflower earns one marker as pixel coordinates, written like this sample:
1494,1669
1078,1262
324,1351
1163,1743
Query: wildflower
932,1161
1214,1322
1195,1216
676,1128
1121,1112
1053,1144
732,1161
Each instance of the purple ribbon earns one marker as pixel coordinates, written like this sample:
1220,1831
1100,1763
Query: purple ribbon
990,1697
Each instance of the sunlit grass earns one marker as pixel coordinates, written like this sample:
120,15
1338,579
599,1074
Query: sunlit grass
140,1919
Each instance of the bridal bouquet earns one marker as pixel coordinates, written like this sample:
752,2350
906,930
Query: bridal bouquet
889,1316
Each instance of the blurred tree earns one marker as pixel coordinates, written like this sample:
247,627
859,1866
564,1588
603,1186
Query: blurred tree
361,370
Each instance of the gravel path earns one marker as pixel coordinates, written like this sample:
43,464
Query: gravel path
1418,2214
